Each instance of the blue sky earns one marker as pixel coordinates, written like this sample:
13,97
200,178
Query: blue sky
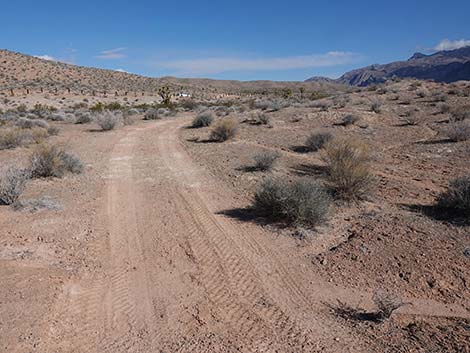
245,40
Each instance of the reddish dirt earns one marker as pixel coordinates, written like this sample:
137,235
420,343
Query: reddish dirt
143,258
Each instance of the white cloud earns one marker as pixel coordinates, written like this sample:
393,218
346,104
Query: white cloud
116,53
450,45
121,70
45,57
216,65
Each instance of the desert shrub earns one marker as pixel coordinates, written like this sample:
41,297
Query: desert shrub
133,111
97,108
53,161
202,120
421,93
350,119
152,114
461,113
188,104
457,196
25,123
262,119
300,203
348,165
376,107
224,130
263,104
459,131
113,106
107,120
265,160
12,184
317,140
444,108
127,119
438,97
83,118
57,117
11,138
71,163
38,135
53,131
386,304
322,105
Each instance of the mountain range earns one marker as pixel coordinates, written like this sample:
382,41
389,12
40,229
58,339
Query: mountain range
442,66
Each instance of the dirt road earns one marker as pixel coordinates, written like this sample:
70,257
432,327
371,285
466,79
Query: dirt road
179,275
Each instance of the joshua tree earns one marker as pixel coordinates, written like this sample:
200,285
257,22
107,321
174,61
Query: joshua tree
165,94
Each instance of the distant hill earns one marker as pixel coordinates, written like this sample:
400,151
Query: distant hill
443,66
20,72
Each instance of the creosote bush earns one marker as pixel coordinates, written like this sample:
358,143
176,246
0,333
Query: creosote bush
457,196
348,164
317,140
53,161
265,160
12,184
224,130
107,120
300,203
202,120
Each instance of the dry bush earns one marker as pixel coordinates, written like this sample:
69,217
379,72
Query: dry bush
376,107
83,118
350,119
459,131
202,120
11,138
457,196
12,184
224,130
152,114
265,160
316,141
53,161
348,163
300,203
108,120
444,108
461,113
386,304
26,123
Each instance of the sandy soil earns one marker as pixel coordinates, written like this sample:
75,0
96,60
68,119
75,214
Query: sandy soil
145,256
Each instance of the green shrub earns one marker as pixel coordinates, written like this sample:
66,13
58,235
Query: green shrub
300,203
